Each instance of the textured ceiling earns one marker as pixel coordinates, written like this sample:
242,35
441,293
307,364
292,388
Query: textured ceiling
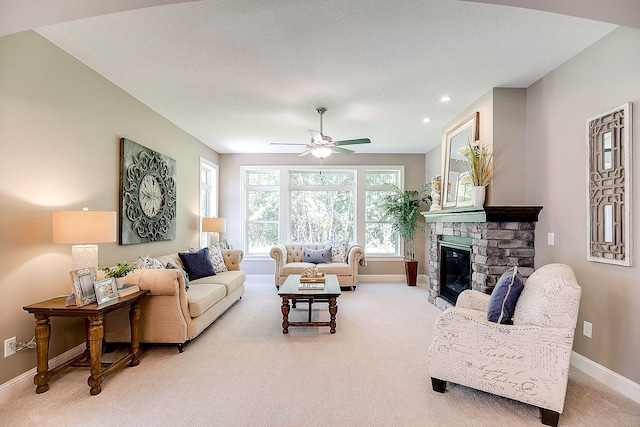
240,74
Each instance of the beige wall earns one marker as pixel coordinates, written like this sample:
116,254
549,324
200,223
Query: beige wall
601,77
231,187
60,125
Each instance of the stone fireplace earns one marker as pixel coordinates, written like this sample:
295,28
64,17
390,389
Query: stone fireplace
498,237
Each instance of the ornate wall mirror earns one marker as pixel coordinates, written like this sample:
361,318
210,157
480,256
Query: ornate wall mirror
455,165
609,144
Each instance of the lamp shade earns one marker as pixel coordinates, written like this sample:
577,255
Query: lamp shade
79,227
214,224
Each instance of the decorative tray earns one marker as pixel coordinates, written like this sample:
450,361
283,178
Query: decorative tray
317,279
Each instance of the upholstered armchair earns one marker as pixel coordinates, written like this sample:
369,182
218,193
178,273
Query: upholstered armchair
526,361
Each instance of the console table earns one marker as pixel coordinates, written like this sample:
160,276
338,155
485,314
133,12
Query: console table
94,316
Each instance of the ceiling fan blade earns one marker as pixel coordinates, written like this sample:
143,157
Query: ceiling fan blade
316,136
353,141
287,143
342,150
304,153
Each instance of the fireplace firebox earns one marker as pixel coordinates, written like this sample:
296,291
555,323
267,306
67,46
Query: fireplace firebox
455,267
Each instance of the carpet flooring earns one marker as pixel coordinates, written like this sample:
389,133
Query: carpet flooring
243,371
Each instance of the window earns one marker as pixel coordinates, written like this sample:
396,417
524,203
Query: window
208,195
300,205
321,206
379,239
262,210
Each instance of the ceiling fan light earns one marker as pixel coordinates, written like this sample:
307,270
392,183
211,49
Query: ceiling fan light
321,152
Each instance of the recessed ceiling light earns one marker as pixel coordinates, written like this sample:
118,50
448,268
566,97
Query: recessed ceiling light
445,98
426,120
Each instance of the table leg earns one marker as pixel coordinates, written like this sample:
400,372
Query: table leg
134,321
333,309
96,334
285,315
43,332
310,305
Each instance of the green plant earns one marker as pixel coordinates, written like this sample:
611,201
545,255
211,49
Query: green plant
402,208
480,163
121,269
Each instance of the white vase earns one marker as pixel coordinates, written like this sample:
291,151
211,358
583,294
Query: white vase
477,195
119,282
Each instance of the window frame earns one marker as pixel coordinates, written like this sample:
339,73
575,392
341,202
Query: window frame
284,210
212,189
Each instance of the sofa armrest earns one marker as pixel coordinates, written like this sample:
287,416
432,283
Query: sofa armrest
279,253
157,281
355,254
232,258
473,300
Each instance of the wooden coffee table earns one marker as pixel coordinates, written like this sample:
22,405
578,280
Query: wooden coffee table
289,291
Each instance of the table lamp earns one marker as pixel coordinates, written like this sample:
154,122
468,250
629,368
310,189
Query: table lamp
214,226
83,229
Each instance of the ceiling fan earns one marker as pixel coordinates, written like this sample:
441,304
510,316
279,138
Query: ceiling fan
321,145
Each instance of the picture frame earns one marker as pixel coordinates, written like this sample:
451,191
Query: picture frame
454,164
82,281
106,290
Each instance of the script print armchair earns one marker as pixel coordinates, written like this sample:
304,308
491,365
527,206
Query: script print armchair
527,361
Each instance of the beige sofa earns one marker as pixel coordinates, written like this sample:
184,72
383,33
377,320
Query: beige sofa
290,260
170,314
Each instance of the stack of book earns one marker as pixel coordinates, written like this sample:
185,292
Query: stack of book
311,285
128,290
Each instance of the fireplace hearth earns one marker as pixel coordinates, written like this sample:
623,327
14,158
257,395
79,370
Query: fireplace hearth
495,238
455,267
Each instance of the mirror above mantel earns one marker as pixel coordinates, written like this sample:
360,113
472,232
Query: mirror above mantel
456,186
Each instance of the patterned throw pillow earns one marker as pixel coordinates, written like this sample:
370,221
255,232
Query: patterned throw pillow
504,297
148,262
339,251
197,264
318,256
171,266
216,258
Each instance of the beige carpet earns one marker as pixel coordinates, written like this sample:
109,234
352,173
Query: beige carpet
243,371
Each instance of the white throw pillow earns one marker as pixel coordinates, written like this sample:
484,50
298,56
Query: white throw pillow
339,251
148,262
215,254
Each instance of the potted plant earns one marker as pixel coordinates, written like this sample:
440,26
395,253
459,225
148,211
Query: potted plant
118,271
480,159
403,209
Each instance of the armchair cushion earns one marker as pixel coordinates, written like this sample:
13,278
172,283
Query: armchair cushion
197,264
317,256
504,297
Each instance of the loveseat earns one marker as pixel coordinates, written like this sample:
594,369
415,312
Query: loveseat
290,260
171,314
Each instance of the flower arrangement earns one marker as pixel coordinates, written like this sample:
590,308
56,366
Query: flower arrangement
480,159
121,269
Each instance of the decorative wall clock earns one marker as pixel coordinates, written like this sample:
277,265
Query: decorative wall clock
147,194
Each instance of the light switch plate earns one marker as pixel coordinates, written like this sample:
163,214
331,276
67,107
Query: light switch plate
551,239
587,329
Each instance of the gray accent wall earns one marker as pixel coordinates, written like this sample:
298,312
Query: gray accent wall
60,130
601,77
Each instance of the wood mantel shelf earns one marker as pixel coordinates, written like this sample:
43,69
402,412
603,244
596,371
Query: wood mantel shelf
485,214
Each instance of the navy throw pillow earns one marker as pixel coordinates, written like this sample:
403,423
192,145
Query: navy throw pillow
318,256
197,264
184,274
504,297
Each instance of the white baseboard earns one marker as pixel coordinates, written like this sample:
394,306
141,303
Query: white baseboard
18,384
606,376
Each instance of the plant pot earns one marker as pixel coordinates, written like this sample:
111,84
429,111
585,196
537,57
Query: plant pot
478,195
119,282
411,272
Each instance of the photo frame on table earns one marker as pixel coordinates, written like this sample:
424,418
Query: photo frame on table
83,289
106,290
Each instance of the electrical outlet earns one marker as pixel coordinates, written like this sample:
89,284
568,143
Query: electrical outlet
587,329
551,239
8,350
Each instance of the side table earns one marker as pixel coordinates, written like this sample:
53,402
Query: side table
94,317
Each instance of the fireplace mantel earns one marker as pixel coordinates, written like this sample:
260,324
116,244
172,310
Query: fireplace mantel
485,214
